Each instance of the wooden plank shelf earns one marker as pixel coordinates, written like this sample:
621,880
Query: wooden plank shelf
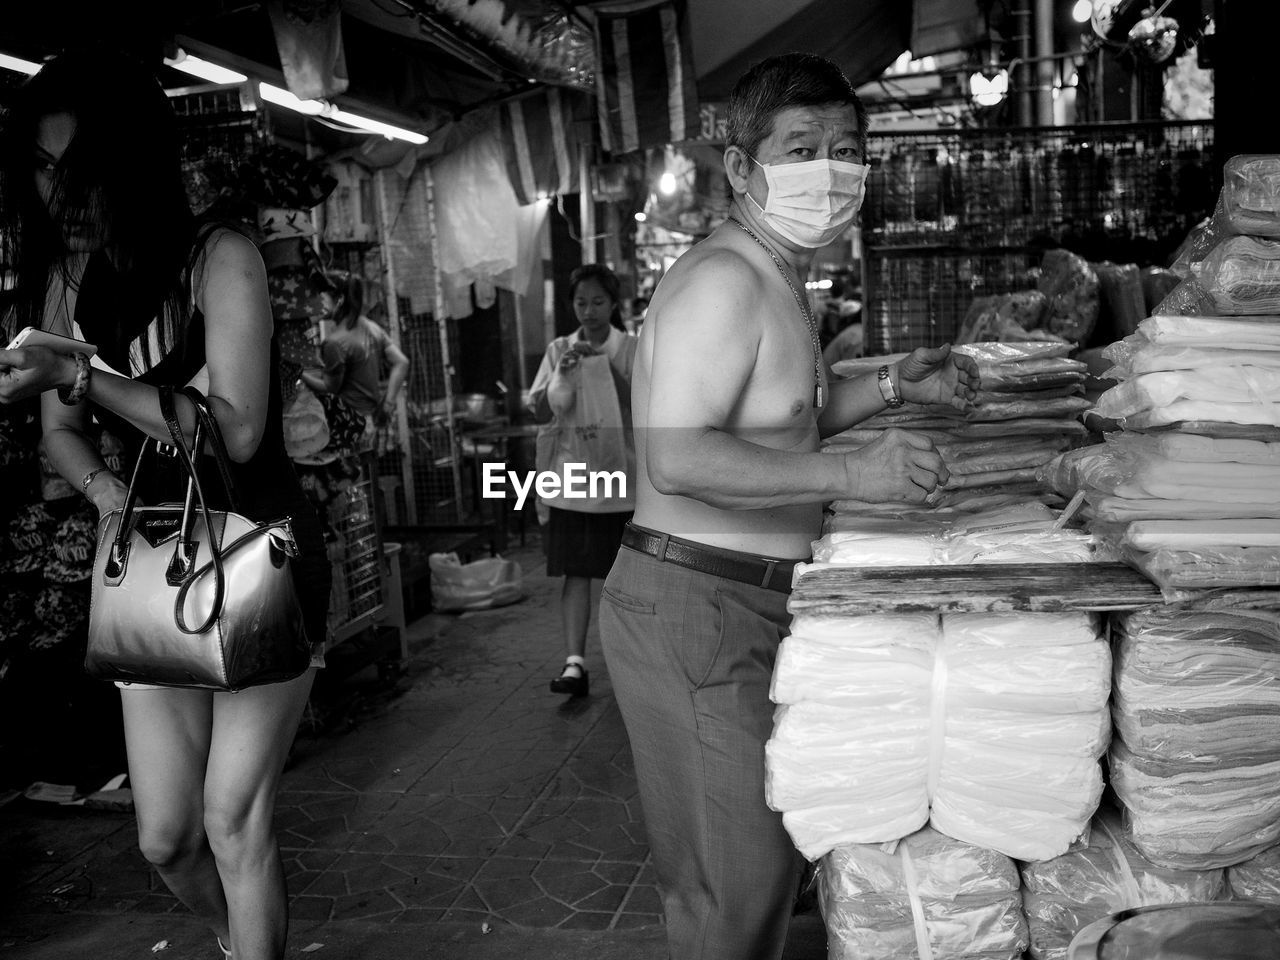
973,588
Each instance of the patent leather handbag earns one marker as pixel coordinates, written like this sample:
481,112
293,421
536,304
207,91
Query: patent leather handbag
186,596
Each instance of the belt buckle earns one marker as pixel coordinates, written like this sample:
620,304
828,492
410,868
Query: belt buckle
769,567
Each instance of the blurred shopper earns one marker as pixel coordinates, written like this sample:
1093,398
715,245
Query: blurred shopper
582,393
353,353
108,252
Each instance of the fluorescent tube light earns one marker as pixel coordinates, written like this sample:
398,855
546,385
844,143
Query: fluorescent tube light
18,65
204,69
375,126
283,98
315,108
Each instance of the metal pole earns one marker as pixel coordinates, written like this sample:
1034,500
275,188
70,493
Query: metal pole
586,206
393,321
1044,67
442,328
1021,79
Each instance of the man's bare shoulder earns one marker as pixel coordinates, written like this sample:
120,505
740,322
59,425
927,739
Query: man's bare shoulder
711,280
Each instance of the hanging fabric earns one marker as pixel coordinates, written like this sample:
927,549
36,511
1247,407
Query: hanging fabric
645,99
309,40
540,140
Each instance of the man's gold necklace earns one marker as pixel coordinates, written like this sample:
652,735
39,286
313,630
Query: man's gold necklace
803,304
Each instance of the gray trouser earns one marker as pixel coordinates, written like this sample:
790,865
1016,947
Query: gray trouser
690,656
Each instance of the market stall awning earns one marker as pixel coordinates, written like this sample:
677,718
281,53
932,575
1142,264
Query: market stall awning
428,64
862,36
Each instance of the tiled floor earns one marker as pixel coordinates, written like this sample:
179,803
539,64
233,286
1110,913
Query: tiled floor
467,798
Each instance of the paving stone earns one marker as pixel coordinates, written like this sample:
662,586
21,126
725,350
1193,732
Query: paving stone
466,809
332,821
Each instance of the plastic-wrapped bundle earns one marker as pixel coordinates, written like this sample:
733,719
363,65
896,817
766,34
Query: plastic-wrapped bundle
1258,878
1157,283
1196,707
1005,317
1020,534
1071,287
1210,568
957,900
1213,383
1251,194
1245,333
1063,895
1132,358
1192,448
864,547
1187,299
1024,366
1241,275
1124,509
1122,297
890,720
1201,534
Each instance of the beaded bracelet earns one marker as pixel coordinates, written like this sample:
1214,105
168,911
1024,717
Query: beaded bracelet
80,386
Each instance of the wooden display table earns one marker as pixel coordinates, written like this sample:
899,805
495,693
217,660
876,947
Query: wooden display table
974,588
995,587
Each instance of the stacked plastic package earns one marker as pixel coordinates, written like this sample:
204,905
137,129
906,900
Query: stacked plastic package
927,896
1063,895
1023,533
1229,264
1027,411
1257,878
1196,758
1189,488
989,727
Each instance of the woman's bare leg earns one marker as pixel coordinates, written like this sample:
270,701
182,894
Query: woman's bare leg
252,732
167,735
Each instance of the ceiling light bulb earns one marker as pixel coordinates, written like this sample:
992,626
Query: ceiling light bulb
988,92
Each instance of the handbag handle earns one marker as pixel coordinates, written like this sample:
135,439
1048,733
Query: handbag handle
180,567
120,546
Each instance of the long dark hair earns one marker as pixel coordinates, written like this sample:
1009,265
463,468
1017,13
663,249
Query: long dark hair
350,288
608,281
121,172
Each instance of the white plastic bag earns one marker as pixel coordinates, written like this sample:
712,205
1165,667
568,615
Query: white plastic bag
491,582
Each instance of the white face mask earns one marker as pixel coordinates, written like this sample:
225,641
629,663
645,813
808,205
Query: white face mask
813,202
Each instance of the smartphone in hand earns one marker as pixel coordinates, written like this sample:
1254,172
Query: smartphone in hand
35,337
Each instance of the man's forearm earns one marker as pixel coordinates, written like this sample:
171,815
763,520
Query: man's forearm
852,401
728,472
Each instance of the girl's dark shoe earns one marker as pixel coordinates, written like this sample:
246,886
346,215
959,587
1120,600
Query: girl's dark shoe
567,682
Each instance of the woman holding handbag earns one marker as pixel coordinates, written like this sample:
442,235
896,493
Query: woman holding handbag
582,396
107,251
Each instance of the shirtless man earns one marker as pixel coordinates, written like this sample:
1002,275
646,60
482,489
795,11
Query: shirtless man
730,399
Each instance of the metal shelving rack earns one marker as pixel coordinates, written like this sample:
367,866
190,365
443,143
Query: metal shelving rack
953,215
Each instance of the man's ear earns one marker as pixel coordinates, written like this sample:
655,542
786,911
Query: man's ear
737,167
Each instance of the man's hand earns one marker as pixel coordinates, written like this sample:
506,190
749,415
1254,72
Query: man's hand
897,467
937,375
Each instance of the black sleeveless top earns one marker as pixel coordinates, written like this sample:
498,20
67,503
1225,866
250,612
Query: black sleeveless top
113,314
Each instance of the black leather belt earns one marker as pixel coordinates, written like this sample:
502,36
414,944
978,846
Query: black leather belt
766,572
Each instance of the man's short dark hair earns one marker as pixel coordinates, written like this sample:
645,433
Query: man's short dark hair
775,84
